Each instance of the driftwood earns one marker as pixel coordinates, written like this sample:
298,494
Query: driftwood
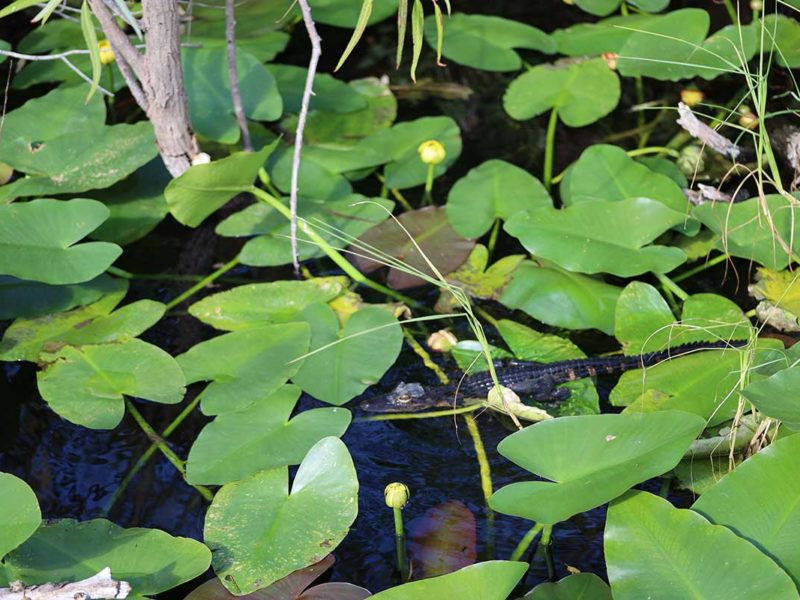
711,138
97,586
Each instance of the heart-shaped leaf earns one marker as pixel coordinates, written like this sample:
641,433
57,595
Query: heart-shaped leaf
256,304
775,396
590,460
785,31
19,512
561,298
353,358
259,532
643,319
330,94
239,444
20,298
202,189
601,237
86,385
581,586
656,550
244,366
38,241
487,42
582,92
208,90
493,190
760,501
434,235
151,560
490,580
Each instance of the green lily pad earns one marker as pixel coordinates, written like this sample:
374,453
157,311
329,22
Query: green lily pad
493,190
760,502
785,31
351,364
208,90
19,512
27,339
487,42
581,586
655,550
260,532
582,92
775,397
151,560
202,189
435,239
245,365
592,39
87,385
590,460
490,580
725,51
601,237
643,320
239,444
39,241
20,298
561,298
256,304
398,146
330,94
601,8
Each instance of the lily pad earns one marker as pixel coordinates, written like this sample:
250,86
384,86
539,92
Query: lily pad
643,320
590,460
582,92
344,13
493,190
20,298
244,366
354,357
760,502
151,560
601,237
87,385
208,90
256,304
432,232
39,241
562,298
260,532
487,42
592,39
581,586
239,444
785,31
656,550
330,94
775,396
20,516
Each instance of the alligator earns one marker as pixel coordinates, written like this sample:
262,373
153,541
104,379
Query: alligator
534,380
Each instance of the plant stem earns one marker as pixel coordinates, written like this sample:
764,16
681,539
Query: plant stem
493,237
640,120
486,481
179,464
332,253
700,268
653,150
547,532
731,12
667,283
422,415
203,283
426,358
525,542
549,148
402,200
400,544
428,198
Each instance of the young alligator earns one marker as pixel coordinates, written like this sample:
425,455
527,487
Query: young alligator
535,380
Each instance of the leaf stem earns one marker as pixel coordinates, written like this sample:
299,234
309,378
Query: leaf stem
486,480
731,12
422,415
653,150
667,283
426,358
400,544
493,237
547,533
525,542
428,198
203,283
700,268
549,149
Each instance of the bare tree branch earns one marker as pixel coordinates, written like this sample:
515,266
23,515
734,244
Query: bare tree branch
236,94
62,56
97,586
133,84
316,51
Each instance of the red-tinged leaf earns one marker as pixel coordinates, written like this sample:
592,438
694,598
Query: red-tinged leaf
443,540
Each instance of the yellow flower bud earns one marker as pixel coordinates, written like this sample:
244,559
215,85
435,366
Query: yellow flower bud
747,118
442,341
611,60
756,5
106,53
691,97
431,152
396,495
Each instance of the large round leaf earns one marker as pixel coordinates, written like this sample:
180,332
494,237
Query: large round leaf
601,237
19,512
654,550
493,190
353,358
86,384
38,241
432,232
643,319
581,92
238,444
487,42
246,365
590,460
760,501
491,580
20,298
776,396
561,298
581,586
151,560
259,532
330,94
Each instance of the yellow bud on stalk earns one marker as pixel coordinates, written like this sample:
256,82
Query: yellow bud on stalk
431,152
442,341
692,97
396,495
106,53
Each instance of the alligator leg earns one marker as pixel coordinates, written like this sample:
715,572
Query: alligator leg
541,389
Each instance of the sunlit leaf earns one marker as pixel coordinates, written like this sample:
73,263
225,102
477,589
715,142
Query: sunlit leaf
19,512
